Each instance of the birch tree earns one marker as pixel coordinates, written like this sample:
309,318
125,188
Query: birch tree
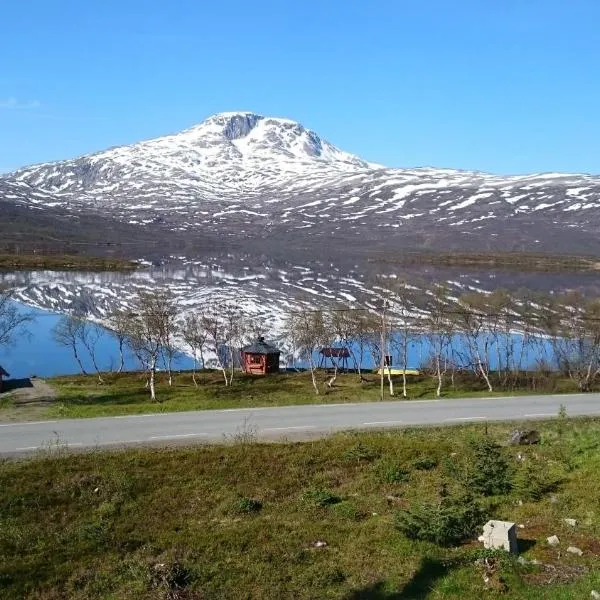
400,327
223,326
308,330
13,321
438,333
90,334
68,333
574,331
472,322
195,337
117,323
151,316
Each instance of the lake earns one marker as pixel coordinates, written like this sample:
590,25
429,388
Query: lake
265,292
38,353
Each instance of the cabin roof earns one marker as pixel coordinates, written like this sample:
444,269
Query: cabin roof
3,373
260,347
335,352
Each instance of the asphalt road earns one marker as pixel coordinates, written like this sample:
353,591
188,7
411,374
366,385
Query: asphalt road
291,422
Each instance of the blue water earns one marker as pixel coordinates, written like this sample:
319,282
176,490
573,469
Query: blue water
420,350
38,354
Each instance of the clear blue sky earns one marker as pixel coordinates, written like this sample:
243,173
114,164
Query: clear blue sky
507,86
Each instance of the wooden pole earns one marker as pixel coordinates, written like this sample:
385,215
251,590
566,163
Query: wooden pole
382,345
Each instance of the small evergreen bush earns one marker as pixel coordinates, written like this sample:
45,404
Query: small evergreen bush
348,510
445,523
319,498
489,473
425,463
247,505
390,471
360,453
533,481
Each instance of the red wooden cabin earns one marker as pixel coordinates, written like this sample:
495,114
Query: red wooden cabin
260,358
3,373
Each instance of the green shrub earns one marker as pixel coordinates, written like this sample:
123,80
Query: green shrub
349,510
425,463
533,481
489,474
445,523
247,505
95,533
390,471
360,453
319,498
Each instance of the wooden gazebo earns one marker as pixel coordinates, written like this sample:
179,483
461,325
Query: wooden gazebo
260,358
3,374
341,356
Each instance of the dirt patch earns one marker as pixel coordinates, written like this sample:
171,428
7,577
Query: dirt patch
28,391
25,399
555,574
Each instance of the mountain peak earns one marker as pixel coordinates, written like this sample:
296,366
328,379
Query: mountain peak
234,125
250,136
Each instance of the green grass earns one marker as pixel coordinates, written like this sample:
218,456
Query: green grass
63,262
520,261
82,396
241,521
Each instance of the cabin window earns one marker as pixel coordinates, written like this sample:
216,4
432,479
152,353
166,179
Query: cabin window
255,359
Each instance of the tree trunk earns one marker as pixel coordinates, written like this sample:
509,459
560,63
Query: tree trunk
333,379
152,376
438,392
231,366
313,375
484,373
92,354
194,371
76,354
224,371
382,349
121,357
404,360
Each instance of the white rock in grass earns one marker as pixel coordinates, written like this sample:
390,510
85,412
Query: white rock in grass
553,540
575,550
571,522
500,534
595,595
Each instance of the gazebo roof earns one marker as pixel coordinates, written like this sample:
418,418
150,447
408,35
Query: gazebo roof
3,373
260,347
335,352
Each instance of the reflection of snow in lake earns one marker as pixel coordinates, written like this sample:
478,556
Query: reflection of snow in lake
265,293
38,353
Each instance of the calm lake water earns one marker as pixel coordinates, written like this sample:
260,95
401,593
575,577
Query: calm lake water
264,292
38,353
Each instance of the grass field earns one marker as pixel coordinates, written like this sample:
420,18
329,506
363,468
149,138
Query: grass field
63,262
519,261
242,521
125,393
121,394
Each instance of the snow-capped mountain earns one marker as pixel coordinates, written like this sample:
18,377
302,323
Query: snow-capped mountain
272,181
